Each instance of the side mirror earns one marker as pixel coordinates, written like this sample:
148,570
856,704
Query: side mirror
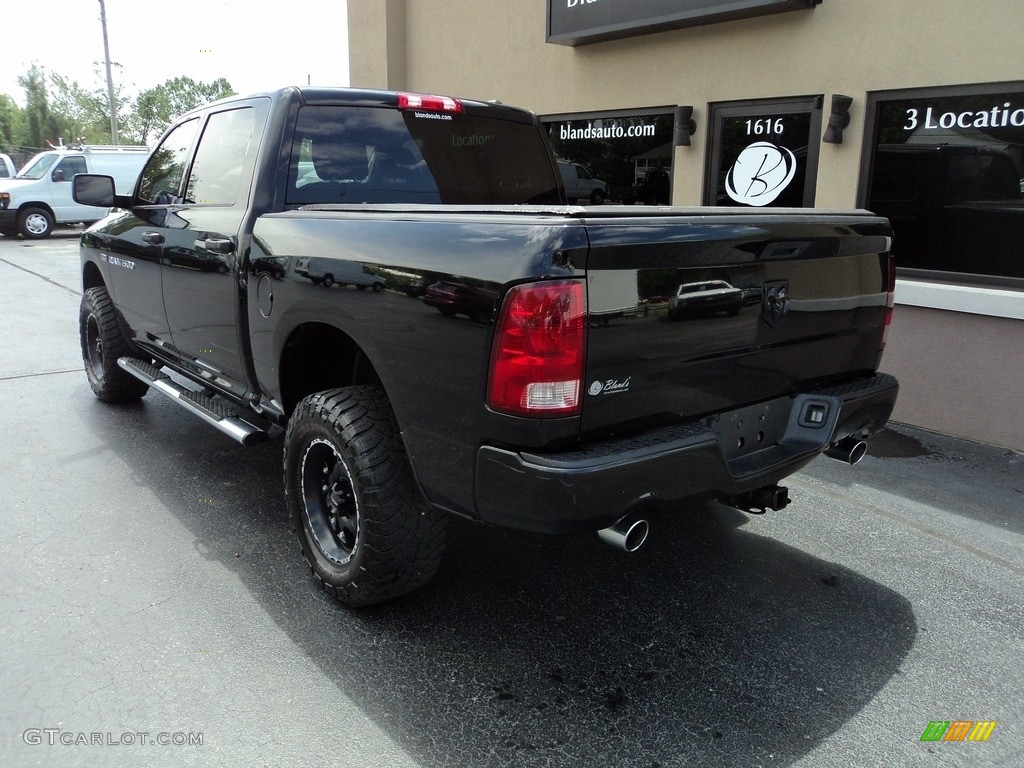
93,189
57,175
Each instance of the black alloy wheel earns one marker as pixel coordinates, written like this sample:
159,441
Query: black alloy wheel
102,344
329,498
365,529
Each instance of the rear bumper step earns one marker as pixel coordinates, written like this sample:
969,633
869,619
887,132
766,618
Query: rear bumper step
209,410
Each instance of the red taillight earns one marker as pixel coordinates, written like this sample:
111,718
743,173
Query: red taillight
427,103
890,301
538,354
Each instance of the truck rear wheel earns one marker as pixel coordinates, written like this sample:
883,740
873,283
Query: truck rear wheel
102,343
361,522
35,223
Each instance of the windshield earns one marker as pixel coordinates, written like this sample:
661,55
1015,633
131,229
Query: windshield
38,166
374,155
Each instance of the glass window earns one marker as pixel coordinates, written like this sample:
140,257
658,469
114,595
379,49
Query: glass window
160,181
68,167
38,166
630,154
946,166
764,153
216,177
377,155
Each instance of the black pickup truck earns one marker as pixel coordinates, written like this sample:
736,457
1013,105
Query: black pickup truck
552,393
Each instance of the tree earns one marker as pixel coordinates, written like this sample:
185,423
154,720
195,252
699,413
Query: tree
156,108
38,124
82,116
10,123
59,109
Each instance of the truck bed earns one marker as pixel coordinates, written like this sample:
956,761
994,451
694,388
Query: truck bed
646,371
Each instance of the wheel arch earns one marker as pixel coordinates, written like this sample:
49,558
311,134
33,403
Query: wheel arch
37,204
317,357
91,276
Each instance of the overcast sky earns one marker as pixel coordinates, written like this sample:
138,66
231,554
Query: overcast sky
255,46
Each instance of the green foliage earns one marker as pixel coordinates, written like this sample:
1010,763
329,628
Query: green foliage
155,108
36,122
58,109
10,123
81,116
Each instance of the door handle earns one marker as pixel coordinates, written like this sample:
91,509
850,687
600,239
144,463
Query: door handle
216,245
153,238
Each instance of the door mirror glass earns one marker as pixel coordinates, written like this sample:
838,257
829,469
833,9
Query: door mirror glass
93,189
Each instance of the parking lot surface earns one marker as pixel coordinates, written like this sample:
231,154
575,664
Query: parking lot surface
157,611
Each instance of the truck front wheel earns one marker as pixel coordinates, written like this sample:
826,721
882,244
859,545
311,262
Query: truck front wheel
363,526
102,343
35,223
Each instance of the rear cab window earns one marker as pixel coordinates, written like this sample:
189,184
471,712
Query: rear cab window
354,155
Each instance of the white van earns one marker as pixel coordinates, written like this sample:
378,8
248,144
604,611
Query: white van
39,197
580,183
327,272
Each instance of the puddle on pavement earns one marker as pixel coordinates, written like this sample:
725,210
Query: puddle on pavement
888,444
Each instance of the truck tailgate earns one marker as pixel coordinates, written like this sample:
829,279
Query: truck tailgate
703,311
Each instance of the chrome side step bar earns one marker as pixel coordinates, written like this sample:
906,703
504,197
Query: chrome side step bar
216,414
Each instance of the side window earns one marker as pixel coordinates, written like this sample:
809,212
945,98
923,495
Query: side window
216,177
160,182
68,167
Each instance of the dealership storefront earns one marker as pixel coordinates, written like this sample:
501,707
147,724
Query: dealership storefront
914,110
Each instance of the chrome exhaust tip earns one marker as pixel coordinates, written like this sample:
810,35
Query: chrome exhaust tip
628,534
849,450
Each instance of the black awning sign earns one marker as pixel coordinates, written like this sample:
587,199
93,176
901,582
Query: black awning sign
578,22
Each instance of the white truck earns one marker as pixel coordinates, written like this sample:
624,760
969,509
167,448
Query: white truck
580,183
39,196
6,167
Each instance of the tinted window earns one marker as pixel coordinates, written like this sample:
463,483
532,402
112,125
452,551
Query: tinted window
947,169
69,166
378,155
160,182
621,150
216,177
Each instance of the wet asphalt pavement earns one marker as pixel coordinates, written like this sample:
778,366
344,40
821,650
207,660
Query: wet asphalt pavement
153,597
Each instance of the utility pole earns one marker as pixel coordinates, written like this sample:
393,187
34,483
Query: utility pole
110,80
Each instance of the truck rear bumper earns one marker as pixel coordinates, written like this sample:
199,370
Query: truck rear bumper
723,455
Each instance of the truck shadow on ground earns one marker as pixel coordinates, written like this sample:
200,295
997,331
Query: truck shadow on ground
713,646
